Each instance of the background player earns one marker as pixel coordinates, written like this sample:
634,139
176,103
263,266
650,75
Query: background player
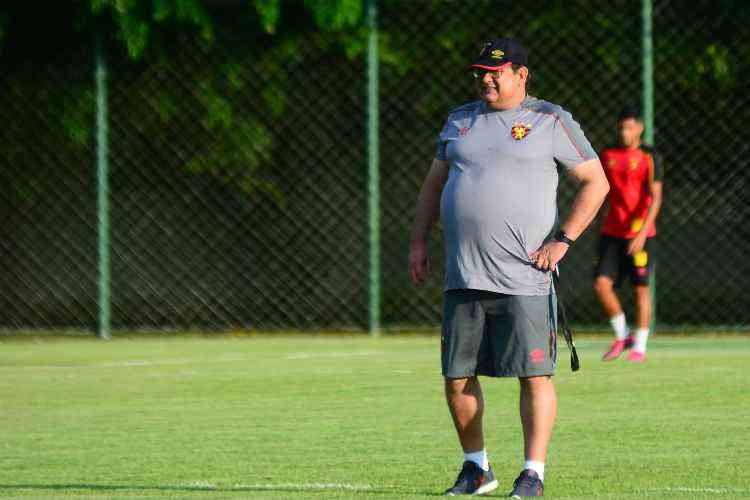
626,246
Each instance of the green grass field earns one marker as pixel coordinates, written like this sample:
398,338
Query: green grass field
343,417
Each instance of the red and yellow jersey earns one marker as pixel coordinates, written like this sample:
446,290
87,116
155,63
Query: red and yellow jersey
630,173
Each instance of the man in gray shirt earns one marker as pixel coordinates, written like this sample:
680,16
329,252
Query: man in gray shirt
494,182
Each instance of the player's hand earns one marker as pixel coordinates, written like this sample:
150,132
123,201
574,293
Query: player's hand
419,261
636,244
547,257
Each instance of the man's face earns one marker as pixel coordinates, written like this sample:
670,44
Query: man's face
630,132
496,87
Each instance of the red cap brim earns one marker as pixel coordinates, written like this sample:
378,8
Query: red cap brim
491,68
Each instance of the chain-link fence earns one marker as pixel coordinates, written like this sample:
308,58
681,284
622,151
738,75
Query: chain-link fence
238,168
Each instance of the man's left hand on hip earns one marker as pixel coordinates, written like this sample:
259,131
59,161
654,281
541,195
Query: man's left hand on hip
547,257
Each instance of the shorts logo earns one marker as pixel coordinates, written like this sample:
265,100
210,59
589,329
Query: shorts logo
520,130
463,131
537,356
640,259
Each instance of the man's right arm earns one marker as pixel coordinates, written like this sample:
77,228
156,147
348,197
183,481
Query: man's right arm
427,212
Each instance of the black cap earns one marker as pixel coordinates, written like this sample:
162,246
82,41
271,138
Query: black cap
629,112
500,51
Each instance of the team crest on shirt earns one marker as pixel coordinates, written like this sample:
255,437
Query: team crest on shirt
520,130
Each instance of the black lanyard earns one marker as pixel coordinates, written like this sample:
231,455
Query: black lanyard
575,364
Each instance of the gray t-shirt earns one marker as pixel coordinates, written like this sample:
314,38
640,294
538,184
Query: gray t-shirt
500,201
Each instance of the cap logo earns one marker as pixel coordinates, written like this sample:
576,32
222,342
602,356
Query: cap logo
520,130
497,54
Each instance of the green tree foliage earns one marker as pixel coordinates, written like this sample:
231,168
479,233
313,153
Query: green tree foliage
146,37
150,35
137,19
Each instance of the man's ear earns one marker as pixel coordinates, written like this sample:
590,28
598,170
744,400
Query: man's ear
523,72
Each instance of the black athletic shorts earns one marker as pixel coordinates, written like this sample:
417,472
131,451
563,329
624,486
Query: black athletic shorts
498,335
615,263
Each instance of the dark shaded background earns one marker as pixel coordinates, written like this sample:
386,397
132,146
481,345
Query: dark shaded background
238,164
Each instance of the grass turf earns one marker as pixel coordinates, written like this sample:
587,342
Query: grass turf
341,417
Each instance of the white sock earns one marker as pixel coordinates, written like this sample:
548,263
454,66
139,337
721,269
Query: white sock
479,458
641,337
537,467
619,325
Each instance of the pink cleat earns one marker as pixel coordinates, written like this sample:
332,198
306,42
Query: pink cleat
629,340
636,357
614,351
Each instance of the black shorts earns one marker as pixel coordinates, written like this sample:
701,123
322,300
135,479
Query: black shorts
614,261
498,335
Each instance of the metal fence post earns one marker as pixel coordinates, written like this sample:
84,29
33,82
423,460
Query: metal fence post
373,168
102,175
648,111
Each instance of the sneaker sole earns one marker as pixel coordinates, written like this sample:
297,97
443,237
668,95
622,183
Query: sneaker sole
517,497
486,488
491,486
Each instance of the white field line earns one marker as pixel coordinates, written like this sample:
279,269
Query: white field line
205,485
107,364
306,486
185,361
309,355
682,489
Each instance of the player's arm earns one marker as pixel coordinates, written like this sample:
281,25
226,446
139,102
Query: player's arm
427,212
571,148
593,189
655,189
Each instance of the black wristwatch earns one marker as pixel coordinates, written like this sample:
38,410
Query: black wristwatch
563,238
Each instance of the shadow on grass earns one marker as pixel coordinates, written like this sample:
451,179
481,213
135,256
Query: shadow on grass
290,488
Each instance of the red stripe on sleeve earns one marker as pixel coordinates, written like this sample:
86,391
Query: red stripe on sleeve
570,138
